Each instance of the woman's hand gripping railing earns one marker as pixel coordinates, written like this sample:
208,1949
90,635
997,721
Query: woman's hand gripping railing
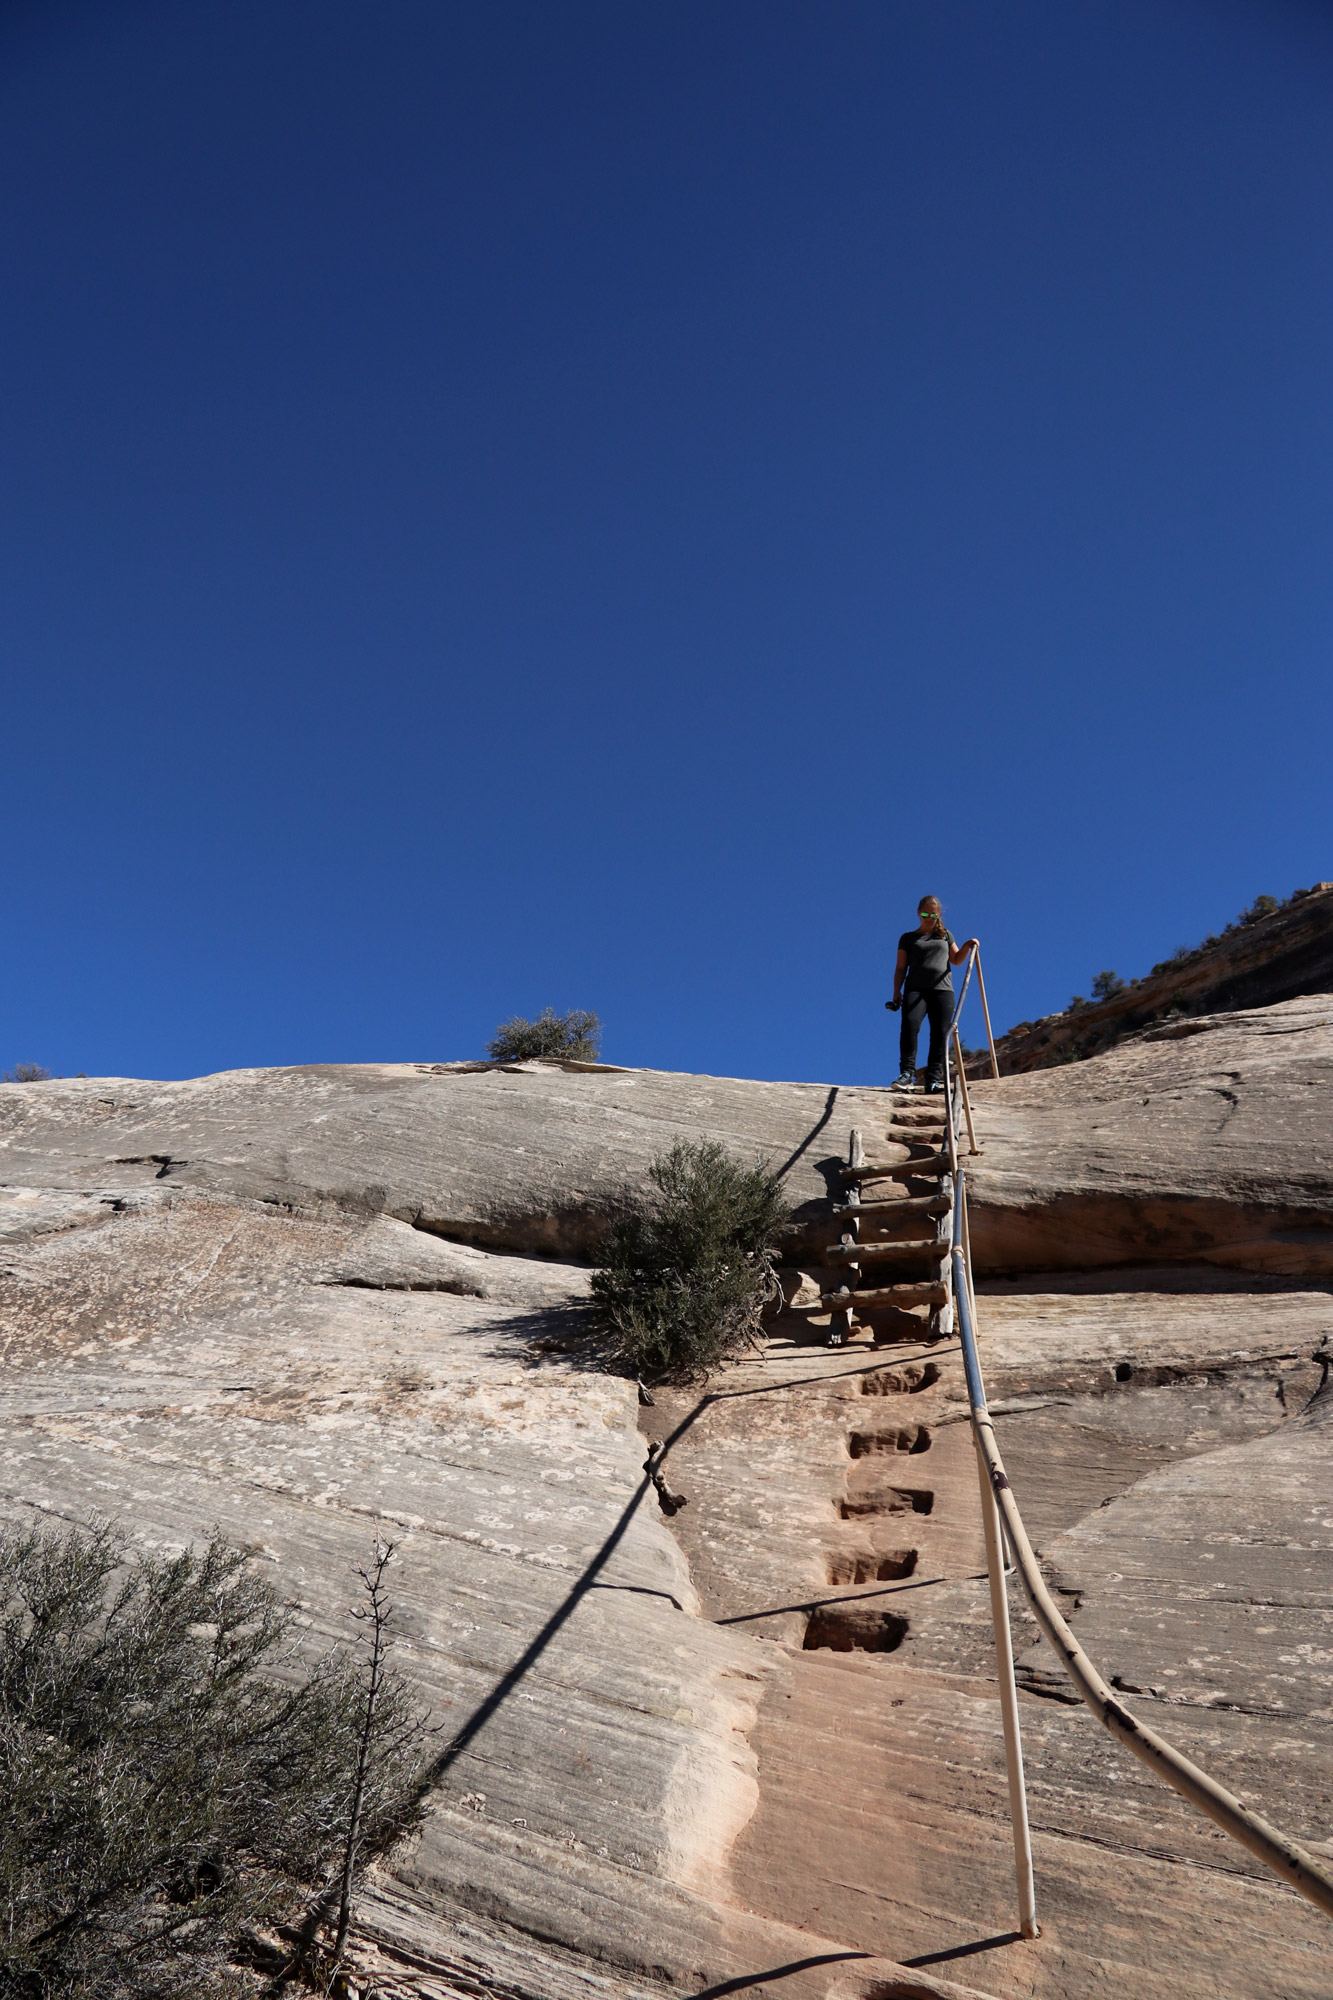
1285,1857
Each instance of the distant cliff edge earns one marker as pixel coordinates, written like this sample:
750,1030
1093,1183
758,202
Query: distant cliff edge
1286,954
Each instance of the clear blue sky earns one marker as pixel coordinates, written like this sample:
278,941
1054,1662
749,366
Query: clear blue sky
605,505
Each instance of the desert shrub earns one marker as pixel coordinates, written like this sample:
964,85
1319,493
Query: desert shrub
1262,906
26,1073
165,1794
1107,985
576,1036
1078,1000
686,1275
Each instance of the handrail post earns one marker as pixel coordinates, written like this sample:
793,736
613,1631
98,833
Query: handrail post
985,1008
999,1596
1013,1741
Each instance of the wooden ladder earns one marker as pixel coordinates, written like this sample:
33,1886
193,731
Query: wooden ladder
894,1247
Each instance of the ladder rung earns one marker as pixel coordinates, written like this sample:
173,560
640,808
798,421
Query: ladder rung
880,1253
847,1300
887,1208
930,1168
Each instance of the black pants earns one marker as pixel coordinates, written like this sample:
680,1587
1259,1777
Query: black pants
939,1005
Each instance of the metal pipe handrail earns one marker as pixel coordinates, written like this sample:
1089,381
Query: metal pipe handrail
1287,1858
972,1145
972,958
950,1119
973,964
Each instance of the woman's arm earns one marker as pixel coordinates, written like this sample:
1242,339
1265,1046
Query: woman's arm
899,974
959,951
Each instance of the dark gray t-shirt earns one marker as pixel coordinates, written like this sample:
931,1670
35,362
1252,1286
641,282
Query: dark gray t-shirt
927,961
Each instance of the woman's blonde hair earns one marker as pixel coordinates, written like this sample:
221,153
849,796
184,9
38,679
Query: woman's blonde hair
929,906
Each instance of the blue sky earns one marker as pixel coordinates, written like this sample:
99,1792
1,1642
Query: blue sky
606,505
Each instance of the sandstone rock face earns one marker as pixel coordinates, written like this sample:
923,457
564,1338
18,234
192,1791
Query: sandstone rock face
531,1156
1206,1141
182,1352
1167,1452
759,1743
177,1359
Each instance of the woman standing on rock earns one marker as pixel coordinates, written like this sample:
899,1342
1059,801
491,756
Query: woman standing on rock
922,986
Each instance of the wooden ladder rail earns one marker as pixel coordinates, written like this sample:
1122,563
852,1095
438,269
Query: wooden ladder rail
840,1331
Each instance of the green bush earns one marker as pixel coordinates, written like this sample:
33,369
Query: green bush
575,1036
1107,985
1262,906
1178,957
685,1277
165,1795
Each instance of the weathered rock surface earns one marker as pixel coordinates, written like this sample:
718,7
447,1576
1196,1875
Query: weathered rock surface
760,1743
177,1359
530,1156
1207,1141
1210,1141
882,1809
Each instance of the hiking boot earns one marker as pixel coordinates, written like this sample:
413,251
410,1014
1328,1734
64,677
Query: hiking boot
935,1089
907,1081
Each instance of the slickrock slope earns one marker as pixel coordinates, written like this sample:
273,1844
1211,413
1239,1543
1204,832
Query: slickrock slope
305,1374
1208,1141
528,1156
1211,1140
1197,1564
760,1743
